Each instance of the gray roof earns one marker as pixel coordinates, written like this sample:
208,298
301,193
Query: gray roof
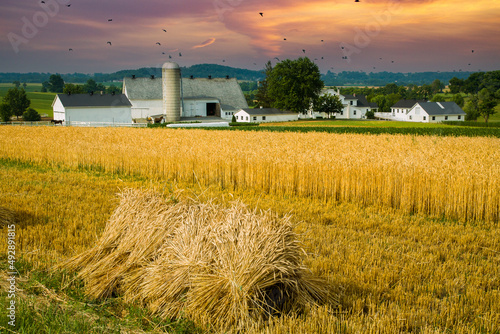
267,111
95,100
434,108
227,91
406,103
143,88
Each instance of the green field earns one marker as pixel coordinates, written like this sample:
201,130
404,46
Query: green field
41,102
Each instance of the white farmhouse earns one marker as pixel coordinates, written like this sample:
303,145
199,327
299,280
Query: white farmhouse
95,108
262,115
433,112
401,108
200,97
355,106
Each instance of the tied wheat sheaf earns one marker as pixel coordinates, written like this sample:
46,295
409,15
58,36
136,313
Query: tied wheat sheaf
225,268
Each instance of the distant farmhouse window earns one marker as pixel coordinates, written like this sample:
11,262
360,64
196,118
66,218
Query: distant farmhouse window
425,118
410,116
459,116
352,103
247,118
445,118
263,118
342,113
433,118
254,118
236,117
354,112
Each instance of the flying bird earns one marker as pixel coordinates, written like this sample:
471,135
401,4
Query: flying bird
165,30
68,5
180,54
72,50
261,14
109,43
284,39
277,58
392,61
342,47
303,50
472,51
42,1
223,60
169,57
356,0
109,20
163,53
158,43
322,40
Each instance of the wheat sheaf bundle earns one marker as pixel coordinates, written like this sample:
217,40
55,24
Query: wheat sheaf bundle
224,268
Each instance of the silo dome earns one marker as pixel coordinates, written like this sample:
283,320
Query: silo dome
171,81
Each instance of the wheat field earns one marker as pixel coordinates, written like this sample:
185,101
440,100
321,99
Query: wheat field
451,177
405,228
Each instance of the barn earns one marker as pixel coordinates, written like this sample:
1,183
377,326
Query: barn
199,97
94,108
262,115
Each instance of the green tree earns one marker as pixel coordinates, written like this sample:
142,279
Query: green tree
45,86
31,115
381,102
17,101
437,86
25,85
56,83
459,99
370,114
328,104
472,108
112,89
70,88
487,104
294,84
16,83
456,85
262,91
5,112
438,98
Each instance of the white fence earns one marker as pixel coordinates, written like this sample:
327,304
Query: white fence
81,124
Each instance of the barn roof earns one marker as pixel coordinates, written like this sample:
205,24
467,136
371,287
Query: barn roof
267,111
94,100
442,108
407,103
227,91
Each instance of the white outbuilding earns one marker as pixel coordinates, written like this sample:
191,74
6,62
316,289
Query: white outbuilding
433,112
92,108
262,115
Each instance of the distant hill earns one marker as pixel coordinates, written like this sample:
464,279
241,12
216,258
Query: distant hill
219,71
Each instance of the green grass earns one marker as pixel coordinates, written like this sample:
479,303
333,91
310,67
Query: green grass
41,102
354,123
54,302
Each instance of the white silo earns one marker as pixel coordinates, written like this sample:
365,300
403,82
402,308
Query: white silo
171,80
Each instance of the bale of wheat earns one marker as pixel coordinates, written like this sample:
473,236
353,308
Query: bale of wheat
224,268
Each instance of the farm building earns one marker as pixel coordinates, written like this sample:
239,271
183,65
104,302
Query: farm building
433,112
355,106
199,97
262,115
95,108
402,107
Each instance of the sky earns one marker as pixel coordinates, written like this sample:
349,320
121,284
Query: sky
88,36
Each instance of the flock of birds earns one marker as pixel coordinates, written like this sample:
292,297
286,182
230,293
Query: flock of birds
344,57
